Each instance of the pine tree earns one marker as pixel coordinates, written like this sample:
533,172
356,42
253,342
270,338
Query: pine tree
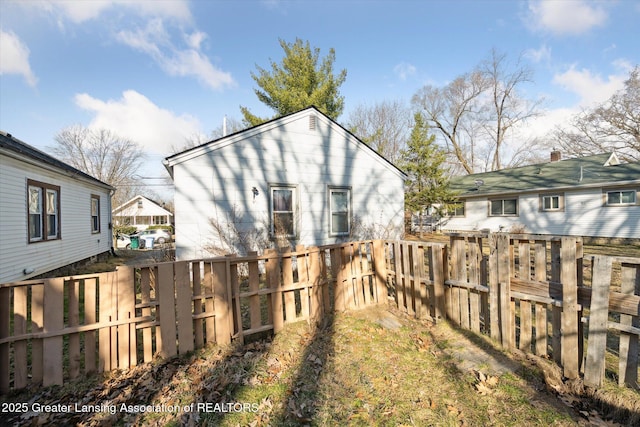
427,184
300,81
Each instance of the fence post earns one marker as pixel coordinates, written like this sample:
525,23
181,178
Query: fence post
629,343
380,270
504,282
598,320
568,278
53,322
222,302
184,304
494,289
273,280
167,310
5,303
437,270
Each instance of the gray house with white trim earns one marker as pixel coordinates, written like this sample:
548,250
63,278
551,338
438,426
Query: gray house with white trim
51,214
301,177
595,196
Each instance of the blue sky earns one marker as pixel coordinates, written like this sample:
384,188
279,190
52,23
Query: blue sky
158,72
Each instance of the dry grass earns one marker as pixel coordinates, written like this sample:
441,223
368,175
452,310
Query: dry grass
361,368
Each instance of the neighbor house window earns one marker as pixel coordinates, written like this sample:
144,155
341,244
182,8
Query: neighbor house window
503,207
283,210
339,211
551,202
44,211
457,209
95,213
621,198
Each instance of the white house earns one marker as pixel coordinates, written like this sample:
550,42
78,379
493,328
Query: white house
596,196
301,177
51,214
141,212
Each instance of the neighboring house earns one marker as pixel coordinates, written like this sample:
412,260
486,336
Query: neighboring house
51,214
594,196
141,213
301,177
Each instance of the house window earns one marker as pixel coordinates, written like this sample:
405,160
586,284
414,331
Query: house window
457,209
283,211
44,211
621,198
503,207
95,213
339,211
551,202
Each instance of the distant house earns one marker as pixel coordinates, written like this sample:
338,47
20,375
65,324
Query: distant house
51,214
594,196
141,213
301,177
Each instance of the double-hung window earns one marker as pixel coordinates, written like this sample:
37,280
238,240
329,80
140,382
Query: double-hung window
551,202
283,210
503,207
43,205
457,209
621,198
95,213
340,211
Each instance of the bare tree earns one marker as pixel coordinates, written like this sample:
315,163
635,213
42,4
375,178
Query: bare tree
611,126
103,155
384,127
506,108
476,112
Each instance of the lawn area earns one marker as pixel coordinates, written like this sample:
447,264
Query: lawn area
372,367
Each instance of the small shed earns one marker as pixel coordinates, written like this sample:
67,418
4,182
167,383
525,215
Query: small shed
300,179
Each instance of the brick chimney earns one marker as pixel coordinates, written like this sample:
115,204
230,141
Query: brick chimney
556,155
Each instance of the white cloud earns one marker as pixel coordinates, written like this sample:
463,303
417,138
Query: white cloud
136,117
14,57
539,55
82,11
591,88
404,70
565,17
156,42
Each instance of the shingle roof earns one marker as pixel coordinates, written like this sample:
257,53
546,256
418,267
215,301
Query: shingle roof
9,142
600,169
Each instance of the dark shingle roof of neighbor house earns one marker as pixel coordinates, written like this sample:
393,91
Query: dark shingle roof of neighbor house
597,170
9,142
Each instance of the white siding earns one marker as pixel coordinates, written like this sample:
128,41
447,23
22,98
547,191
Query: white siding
76,243
210,185
584,215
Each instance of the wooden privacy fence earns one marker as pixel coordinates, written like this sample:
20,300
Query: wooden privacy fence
536,293
56,329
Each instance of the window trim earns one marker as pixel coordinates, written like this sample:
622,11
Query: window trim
95,230
294,205
44,189
607,191
502,199
461,204
561,204
330,190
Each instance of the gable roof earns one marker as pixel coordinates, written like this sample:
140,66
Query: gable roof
128,208
190,153
590,171
25,151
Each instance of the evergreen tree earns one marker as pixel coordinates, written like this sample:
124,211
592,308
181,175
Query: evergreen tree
422,160
300,81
